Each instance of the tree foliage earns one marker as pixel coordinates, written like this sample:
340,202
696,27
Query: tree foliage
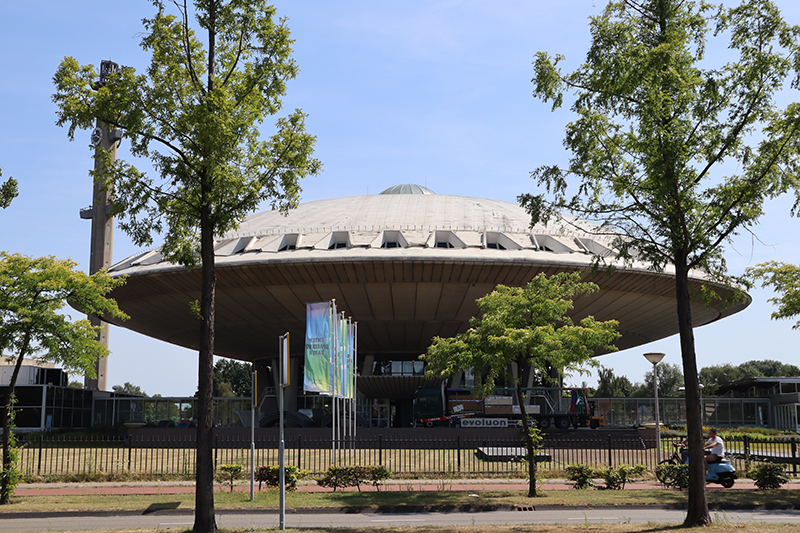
233,379
8,191
716,376
612,386
195,114
33,322
129,388
655,122
784,280
529,328
670,379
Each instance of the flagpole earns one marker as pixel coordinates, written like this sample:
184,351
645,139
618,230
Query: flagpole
331,352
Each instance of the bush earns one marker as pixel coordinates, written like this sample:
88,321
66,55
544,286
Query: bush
338,477
673,475
377,475
616,478
581,475
768,476
270,476
233,472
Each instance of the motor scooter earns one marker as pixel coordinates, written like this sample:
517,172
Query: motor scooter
722,472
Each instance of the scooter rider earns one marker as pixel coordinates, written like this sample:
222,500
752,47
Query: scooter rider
715,448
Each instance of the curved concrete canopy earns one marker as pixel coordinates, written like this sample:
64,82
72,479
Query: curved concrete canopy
406,267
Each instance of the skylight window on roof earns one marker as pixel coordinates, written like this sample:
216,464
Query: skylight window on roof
393,239
339,239
446,239
289,242
498,241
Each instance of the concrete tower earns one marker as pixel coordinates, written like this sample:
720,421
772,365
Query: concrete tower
105,140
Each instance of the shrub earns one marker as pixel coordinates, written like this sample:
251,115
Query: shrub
270,476
338,477
581,475
673,475
10,477
377,475
232,471
352,476
768,476
616,478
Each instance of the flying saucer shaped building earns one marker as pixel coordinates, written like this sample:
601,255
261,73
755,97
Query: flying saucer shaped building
406,264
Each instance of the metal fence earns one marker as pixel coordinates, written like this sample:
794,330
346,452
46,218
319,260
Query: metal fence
58,458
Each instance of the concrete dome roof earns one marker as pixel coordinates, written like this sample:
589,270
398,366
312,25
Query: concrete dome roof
407,188
406,266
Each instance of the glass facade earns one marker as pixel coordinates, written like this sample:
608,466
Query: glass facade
51,407
723,412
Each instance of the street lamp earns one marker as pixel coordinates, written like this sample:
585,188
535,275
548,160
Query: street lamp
655,358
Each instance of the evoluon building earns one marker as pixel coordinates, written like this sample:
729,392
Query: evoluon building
406,264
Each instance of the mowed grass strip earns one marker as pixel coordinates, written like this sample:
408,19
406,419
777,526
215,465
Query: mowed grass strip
411,499
720,527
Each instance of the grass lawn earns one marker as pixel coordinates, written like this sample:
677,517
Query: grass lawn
720,527
269,499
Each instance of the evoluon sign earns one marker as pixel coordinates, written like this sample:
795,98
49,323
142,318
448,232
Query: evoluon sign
484,423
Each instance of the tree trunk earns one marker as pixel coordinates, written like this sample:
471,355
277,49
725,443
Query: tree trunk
204,516
5,495
531,449
697,511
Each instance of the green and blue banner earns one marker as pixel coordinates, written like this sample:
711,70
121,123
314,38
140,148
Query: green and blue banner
330,351
319,347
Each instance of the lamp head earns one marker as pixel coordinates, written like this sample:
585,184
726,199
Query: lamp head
654,357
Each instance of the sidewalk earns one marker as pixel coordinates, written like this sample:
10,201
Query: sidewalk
398,485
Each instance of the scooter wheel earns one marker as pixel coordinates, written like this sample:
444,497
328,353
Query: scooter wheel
726,482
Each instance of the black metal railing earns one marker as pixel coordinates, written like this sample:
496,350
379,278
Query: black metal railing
53,457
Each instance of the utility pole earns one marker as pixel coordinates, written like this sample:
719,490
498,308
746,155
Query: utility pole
105,140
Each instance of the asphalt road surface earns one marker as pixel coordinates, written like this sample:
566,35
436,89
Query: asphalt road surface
248,519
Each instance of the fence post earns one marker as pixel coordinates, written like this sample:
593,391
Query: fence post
128,442
39,466
458,452
299,452
746,446
216,450
610,465
380,450
794,456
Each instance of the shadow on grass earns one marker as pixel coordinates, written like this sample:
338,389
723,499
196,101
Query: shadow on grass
163,506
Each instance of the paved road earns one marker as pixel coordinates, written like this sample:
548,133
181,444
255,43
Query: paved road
248,519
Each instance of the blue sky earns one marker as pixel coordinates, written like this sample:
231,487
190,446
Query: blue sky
435,92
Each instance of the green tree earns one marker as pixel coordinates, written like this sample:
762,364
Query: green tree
670,379
33,294
233,379
784,280
767,368
528,327
8,191
655,122
129,388
713,377
611,386
195,114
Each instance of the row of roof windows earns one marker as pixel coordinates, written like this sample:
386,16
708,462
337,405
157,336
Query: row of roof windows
391,239
398,239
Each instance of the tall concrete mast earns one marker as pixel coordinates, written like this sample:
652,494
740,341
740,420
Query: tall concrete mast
105,139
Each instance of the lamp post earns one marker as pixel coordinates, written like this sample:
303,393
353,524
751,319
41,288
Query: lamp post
655,358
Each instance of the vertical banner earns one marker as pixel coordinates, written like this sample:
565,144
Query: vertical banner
318,357
351,359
